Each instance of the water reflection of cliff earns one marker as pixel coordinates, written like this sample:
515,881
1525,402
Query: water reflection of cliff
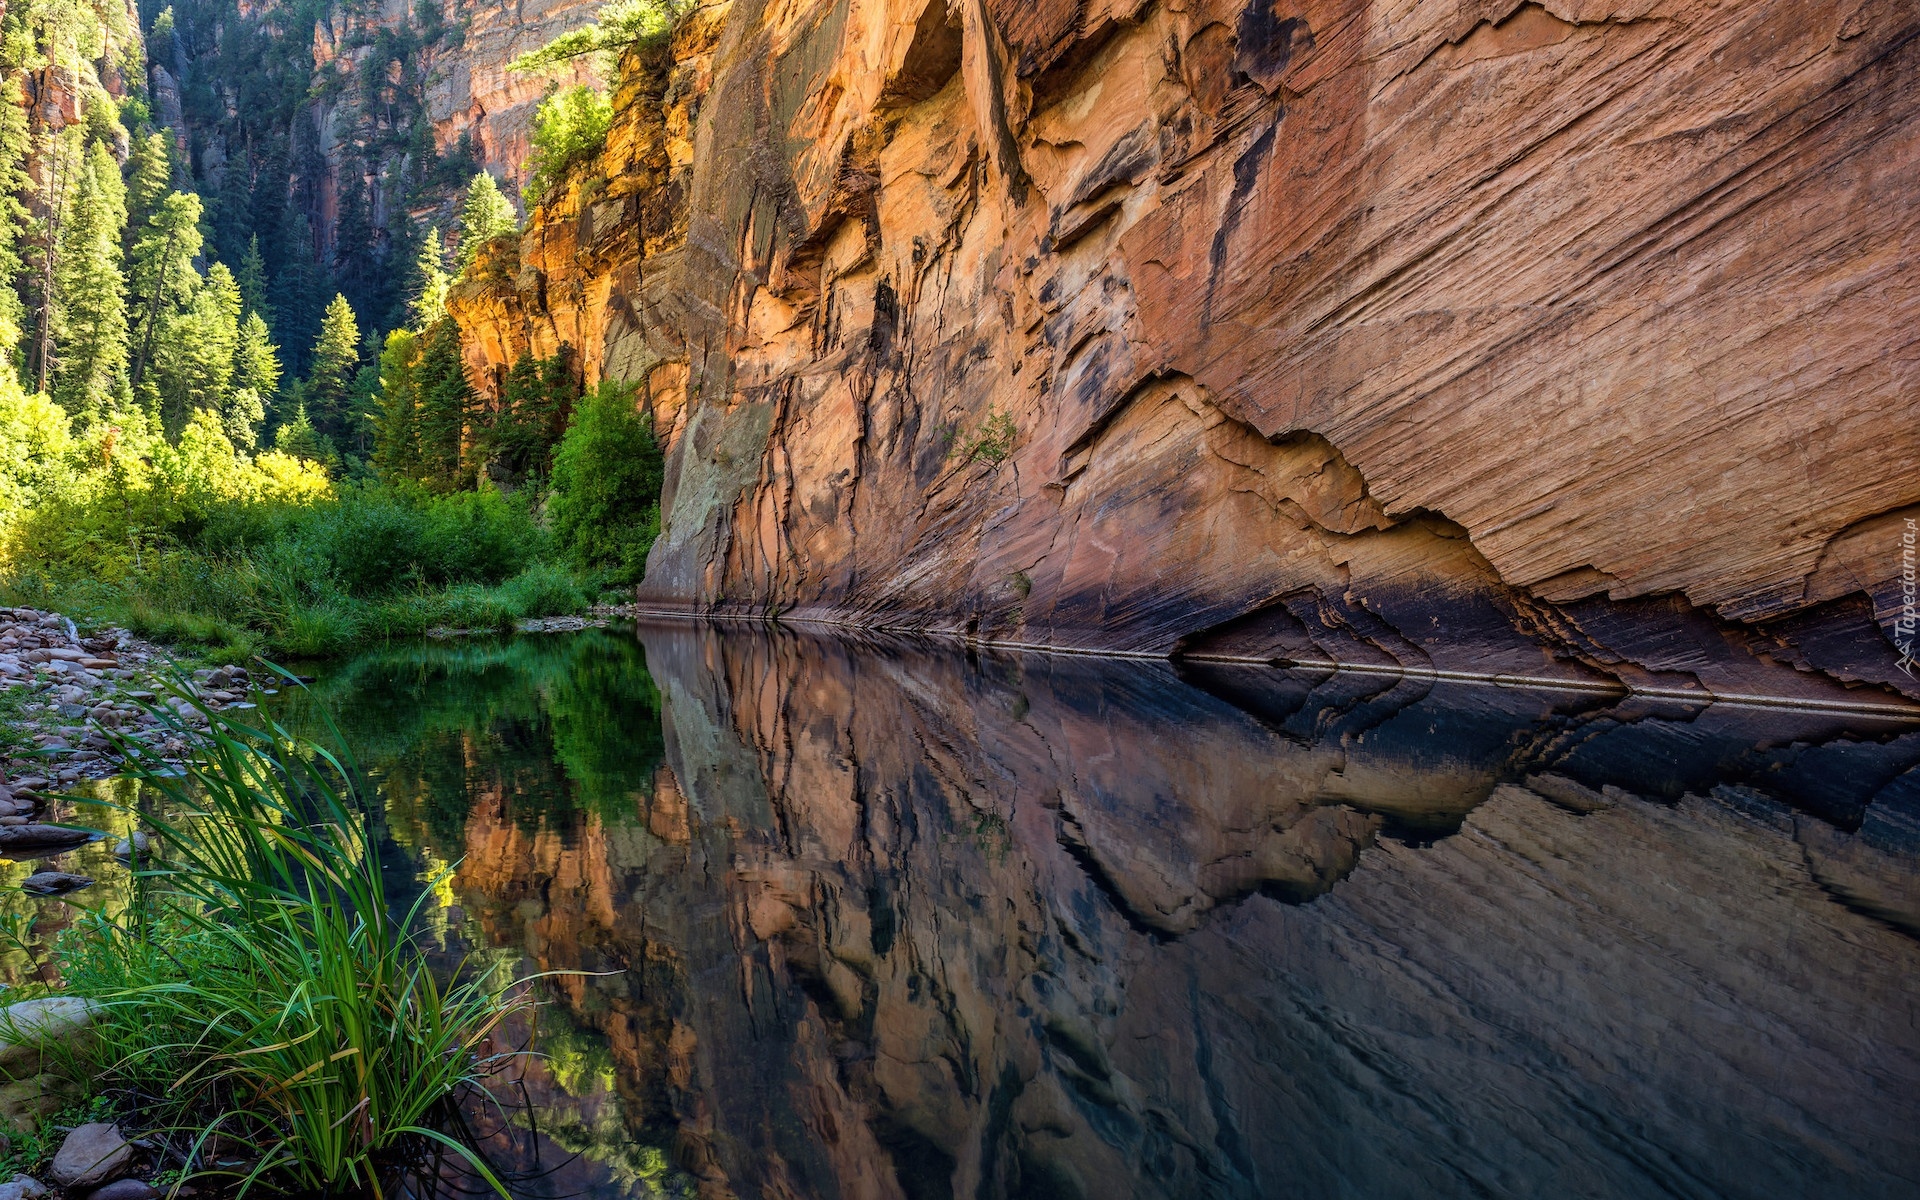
898,921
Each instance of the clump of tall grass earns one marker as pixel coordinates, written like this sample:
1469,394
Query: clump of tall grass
259,991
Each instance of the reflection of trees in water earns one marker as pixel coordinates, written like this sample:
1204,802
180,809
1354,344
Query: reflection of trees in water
440,727
518,762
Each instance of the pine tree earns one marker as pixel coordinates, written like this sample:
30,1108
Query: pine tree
443,404
194,366
486,214
296,288
90,312
256,381
252,278
396,433
15,143
149,179
256,361
334,362
428,287
160,272
232,209
353,256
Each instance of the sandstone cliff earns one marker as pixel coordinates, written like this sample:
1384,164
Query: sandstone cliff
1569,340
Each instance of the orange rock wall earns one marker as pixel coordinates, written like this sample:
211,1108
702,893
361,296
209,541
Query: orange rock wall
1569,340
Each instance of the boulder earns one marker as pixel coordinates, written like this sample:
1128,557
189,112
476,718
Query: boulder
122,1189
92,1154
22,1187
24,1103
26,1026
26,837
51,883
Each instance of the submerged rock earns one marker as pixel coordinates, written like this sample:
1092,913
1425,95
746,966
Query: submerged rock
51,883
92,1154
20,837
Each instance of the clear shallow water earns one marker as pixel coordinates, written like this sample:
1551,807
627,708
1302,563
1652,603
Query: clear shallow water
875,918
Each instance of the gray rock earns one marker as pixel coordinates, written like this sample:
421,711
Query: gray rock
25,1101
30,1024
92,1154
127,846
123,1189
22,1187
50,883
20,837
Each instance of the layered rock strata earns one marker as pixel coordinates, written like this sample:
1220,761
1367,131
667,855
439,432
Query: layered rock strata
1567,340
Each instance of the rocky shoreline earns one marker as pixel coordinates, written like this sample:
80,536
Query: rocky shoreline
80,691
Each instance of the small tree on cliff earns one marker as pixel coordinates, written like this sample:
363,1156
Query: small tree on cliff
486,215
569,127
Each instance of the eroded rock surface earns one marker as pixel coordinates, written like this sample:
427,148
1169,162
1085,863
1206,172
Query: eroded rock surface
1552,339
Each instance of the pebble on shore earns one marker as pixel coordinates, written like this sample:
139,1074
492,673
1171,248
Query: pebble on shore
79,689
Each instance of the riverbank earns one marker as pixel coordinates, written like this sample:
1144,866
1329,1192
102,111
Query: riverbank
64,696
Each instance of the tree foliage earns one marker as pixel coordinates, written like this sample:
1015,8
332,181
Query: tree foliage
569,127
607,473
621,24
486,214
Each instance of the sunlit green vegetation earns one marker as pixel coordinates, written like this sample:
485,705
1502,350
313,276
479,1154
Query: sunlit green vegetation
259,985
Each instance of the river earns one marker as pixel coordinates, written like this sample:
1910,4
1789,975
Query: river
878,918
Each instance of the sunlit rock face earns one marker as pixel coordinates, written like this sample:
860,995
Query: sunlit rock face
883,919
1553,339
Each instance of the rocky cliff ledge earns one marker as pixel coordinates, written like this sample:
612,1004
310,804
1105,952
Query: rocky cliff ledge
1572,340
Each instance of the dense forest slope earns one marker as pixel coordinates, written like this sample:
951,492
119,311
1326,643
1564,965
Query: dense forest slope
1560,339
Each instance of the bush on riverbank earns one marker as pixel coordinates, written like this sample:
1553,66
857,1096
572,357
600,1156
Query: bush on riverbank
260,988
238,566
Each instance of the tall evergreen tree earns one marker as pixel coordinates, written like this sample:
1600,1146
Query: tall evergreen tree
15,144
161,274
252,278
194,364
486,214
428,286
396,433
443,403
232,208
90,314
256,380
296,288
334,363
354,264
149,179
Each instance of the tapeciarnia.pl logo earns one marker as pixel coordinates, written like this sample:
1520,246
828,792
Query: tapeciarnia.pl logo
1903,625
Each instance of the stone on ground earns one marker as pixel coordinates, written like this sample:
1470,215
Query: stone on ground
92,1154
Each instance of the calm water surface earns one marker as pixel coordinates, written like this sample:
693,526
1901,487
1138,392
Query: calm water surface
879,919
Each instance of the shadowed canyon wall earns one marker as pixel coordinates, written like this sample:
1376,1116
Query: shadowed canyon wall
1569,340
883,921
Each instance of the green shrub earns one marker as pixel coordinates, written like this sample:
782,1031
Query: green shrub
373,541
605,503
478,537
569,127
543,590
